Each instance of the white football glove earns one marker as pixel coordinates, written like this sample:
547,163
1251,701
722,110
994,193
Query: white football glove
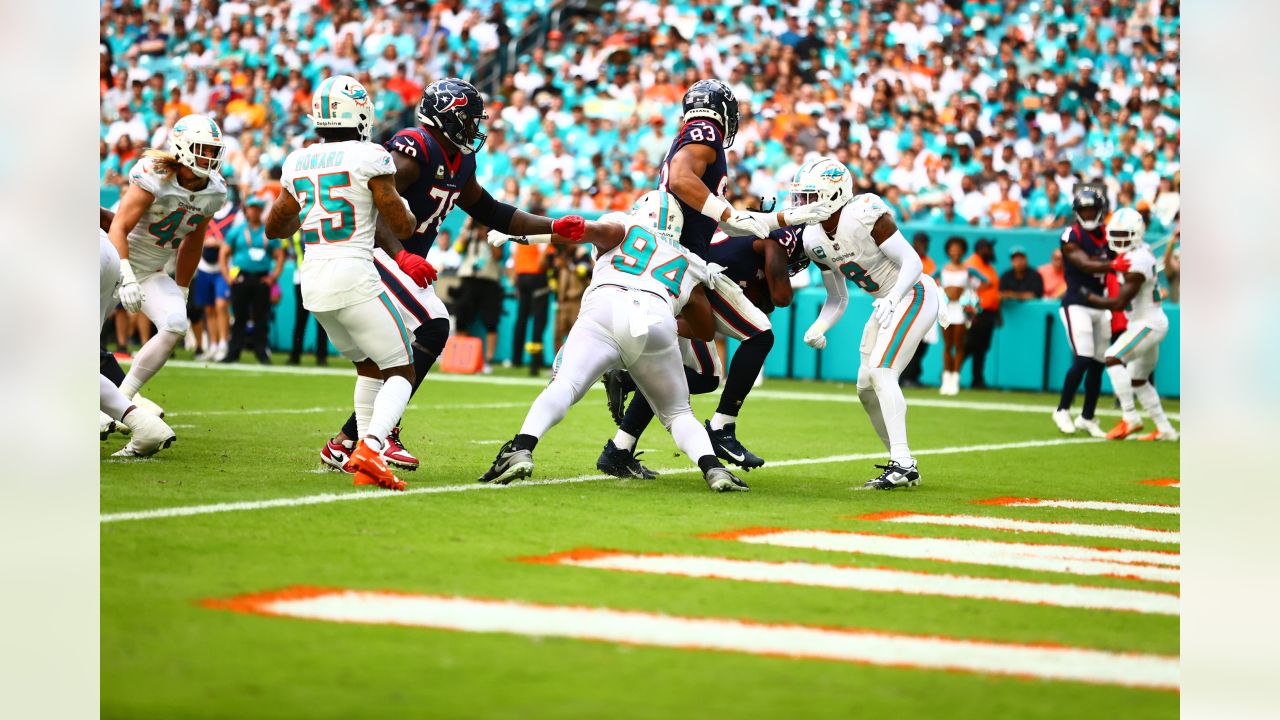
130,292
816,336
715,272
498,239
812,213
742,223
882,311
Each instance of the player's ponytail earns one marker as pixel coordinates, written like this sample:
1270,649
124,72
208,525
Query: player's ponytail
166,163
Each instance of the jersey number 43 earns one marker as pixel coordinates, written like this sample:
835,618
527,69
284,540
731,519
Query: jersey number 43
165,229
637,252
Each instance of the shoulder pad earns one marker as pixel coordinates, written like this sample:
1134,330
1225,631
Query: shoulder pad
701,131
143,175
867,208
411,142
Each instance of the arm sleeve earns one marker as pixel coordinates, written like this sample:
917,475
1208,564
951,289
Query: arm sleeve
897,249
837,299
491,213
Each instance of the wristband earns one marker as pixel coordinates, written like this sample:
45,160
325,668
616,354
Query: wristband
126,272
715,207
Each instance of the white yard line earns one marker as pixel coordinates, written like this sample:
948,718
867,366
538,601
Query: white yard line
325,498
1115,532
846,577
1071,559
868,647
1083,505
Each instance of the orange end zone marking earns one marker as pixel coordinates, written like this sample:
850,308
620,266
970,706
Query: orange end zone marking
1004,501
1162,482
879,516
568,556
745,532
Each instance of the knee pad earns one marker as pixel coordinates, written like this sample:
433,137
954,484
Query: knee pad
432,336
864,378
883,377
701,384
764,340
175,323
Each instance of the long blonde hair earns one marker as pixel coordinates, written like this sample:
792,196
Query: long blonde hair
166,163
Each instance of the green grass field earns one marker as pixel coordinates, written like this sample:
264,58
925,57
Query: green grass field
250,435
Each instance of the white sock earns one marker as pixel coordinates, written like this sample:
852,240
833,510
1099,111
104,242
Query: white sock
366,393
893,413
690,436
718,421
1150,400
1123,386
626,441
871,404
392,399
148,361
110,400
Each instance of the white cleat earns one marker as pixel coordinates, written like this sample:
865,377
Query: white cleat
1062,418
106,425
1091,427
147,405
150,434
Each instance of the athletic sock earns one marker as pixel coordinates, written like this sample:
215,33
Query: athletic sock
524,442
748,361
624,440
636,418
719,421
388,406
690,436
1151,404
110,400
365,395
871,404
707,462
1092,388
110,368
148,361
1071,383
893,413
1123,386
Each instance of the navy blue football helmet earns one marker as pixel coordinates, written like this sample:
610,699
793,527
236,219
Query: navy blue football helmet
713,99
454,107
1088,198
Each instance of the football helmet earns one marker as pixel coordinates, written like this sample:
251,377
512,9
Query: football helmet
660,212
195,138
1125,230
713,99
342,102
1088,198
821,180
454,107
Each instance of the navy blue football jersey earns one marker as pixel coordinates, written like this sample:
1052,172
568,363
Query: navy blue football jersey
1079,282
699,228
440,180
745,266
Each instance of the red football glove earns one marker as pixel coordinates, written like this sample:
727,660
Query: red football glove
416,268
1121,264
569,226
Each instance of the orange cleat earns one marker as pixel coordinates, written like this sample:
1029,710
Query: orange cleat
1123,430
1159,436
371,469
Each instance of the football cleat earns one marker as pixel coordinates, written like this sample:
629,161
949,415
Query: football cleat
150,434
1124,429
147,405
727,447
510,464
1161,436
1062,418
617,385
1091,427
721,480
622,463
106,426
370,469
395,454
337,455
894,475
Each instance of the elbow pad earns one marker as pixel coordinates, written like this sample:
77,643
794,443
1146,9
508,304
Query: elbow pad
491,213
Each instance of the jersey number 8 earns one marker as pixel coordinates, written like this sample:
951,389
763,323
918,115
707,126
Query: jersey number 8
858,275
637,251
330,231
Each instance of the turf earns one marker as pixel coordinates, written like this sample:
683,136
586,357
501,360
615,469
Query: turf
164,655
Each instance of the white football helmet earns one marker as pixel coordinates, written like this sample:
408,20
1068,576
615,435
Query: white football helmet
660,211
821,180
342,102
195,138
1125,230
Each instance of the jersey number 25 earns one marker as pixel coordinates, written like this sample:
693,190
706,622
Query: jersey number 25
341,223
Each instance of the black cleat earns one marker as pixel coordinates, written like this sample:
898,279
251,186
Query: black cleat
622,463
727,447
511,464
617,385
894,476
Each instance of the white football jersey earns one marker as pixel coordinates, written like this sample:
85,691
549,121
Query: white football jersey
643,261
853,252
331,183
1146,306
176,211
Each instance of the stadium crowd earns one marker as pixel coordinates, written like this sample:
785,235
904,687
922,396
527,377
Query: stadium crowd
972,113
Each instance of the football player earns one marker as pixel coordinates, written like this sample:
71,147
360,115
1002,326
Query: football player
164,213
1133,355
1086,262
861,244
335,192
644,292
695,172
435,167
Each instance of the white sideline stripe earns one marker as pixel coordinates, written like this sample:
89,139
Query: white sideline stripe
883,580
346,409
540,383
1115,532
1095,505
726,634
683,470
1048,558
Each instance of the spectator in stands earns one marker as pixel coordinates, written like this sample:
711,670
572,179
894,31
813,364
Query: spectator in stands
1005,212
1052,276
251,262
983,326
1020,282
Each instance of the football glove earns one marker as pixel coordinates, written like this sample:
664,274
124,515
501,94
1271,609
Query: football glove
742,223
569,226
1121,263
715,271
816,336
130,292
882,311
497,238
814,212
417,268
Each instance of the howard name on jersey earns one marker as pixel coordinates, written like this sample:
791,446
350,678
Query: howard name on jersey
644,262
175,212
698,228
440,181
745,266
852,252
1146,306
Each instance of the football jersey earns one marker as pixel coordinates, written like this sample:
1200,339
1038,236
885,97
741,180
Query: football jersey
1079,282
440,181
745,266
1146,306
852,252
698,228
174,213
644,262
331,183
